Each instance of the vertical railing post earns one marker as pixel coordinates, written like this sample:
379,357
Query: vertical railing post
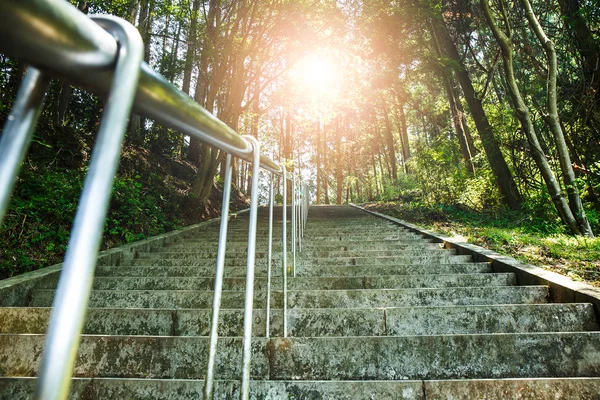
294,225
300,212
18,132
284,251
75,284
269,255
221,250
249,300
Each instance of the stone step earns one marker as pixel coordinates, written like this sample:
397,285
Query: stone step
191,253
186,271
137,356
437,357
309,244
358,298
396,246
159,260
179,389
533,389
530,355
392,321
383,260
263,230
509,318
320,283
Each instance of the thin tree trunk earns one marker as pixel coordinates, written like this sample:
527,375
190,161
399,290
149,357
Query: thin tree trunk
375,175
389,136
338,163
522,113
457,121
403,136
504,178
584,41
190,57
457,116
555,126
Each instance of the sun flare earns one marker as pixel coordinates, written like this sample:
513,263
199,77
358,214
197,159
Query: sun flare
316,73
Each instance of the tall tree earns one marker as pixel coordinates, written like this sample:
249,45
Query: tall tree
554,122
522,112
504,178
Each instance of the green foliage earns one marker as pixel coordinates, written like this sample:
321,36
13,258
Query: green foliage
37,224
134,214
36,229
441,177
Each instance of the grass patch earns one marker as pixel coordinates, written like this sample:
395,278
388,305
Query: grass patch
530,238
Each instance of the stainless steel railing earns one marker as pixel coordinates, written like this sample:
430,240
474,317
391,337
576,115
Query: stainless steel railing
105,56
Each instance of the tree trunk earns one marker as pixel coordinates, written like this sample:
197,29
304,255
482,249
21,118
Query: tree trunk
522,113
389,136
457,121
190,56
338,162
403,135
555,126
504,178
583,40
63,103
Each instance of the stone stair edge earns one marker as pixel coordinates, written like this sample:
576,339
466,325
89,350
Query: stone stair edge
562,289
530,388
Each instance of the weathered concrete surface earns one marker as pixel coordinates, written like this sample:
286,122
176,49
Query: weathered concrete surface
360,298
173,322
358,310
321,322
416,297
137,357
378,270
518,389
437,357
490,319
425,258
148,322
298,283
176,389
304,255
562,289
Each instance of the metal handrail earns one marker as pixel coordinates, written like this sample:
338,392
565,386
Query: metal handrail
75,284
55,37
62,41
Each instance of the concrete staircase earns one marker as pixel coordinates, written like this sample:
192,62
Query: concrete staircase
376,312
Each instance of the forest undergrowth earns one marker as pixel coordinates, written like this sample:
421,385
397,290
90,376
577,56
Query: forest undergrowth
151,195
537,240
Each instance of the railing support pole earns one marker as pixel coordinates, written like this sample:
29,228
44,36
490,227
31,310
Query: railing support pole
300,212
75,284
284,251
269,255
294,223
249,300
221,250
18,132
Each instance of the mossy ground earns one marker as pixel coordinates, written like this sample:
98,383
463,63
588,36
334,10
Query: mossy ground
530,239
